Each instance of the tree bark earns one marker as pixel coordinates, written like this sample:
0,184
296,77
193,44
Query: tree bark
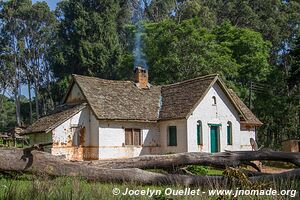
37,162
33,161
222,159
30,99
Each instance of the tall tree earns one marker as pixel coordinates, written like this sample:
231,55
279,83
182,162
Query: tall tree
180,51
12,39
276,20
39,25
88,40
294,77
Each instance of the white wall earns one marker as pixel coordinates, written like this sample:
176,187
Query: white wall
63,136
112,139
181,127
220,113
105,139
247,133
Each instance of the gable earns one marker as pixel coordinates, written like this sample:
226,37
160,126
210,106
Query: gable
74,94
180,98
216,107
55,118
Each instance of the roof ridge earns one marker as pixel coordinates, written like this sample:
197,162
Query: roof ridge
193,79
65,105
102,79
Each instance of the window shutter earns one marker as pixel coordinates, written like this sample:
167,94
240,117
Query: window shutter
172,136
137,137
128,137
199,134
229,134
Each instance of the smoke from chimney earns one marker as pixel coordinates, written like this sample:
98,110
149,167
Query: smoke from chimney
137,18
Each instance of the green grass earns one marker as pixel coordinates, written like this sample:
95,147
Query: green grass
204,170
10,143
68,188
214,171
40,187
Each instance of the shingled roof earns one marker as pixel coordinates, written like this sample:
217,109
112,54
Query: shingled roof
120,100
61,113
178,99
249,117
123,100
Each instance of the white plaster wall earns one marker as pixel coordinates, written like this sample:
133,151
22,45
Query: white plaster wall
75,95
246,134
181,127
112,139
94,130
220,113
62,135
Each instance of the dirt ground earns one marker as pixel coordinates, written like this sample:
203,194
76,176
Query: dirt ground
273,170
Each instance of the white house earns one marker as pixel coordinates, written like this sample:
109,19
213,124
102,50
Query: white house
104,119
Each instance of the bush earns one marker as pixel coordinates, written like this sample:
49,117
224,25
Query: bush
197,169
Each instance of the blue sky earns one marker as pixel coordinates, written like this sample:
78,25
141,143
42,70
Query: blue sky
51,3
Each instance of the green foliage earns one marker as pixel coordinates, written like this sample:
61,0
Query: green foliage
248,49
8,110
88,42
281,115
177,52
157,10
276,20
198,170
294,79
203,170
7,113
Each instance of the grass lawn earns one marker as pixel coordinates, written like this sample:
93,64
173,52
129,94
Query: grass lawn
41,187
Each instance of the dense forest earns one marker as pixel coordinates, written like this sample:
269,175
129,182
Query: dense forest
254,45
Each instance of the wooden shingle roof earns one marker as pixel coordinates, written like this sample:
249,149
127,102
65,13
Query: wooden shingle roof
249,117
119,100
179,99
124,101
55,118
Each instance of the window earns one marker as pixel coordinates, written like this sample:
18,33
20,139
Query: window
133,137
137,138
229,133
199,133
76,136
214,100
172,136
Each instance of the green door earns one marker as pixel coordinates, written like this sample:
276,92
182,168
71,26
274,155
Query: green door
214,139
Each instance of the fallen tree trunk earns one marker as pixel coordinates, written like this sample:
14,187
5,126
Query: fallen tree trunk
222,159
37,162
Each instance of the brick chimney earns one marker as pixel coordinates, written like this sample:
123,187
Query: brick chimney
141,77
